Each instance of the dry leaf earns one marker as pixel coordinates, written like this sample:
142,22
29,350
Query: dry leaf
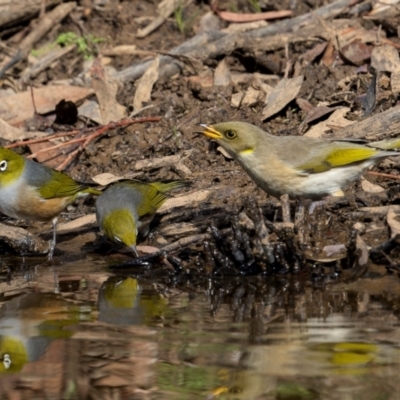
224,152
248,98
205,79
52,158
16,108
145,85
356,52
282,94
106,178
385,8
385,58
106,90
370,187
393,220
251,97
85,222
337,118
310,55
318,112
222,75
329,56
357,33
91,110
305,105
8,132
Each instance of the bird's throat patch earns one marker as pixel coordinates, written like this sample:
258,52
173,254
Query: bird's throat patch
247,152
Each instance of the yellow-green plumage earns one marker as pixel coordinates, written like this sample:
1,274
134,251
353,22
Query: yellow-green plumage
120,223
126,208
337,158
32,191
298,166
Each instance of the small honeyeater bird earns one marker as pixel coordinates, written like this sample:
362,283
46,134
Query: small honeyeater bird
32,191
298,166
125,209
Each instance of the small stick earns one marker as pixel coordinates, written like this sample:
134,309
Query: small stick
70,157
383,175
285,204
33,101
179,244
99,131
45,139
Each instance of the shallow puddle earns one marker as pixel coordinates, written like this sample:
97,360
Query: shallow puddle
80,331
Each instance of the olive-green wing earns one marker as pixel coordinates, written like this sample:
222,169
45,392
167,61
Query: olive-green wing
153,194
335,154
149,199
61,185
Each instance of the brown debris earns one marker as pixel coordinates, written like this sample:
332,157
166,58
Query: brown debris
105,89
282,94
164,9
21,241
235,17
145,85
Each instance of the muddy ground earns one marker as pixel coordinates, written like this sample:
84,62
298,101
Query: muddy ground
187,99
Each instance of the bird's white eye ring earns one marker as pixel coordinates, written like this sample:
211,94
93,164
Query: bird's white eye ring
6,361
3,165
117,239
230,134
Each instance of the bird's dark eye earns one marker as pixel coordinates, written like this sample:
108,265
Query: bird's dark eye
230,134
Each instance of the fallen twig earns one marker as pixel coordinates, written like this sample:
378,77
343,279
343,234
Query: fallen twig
46,23
179,244
390,176
237,17
49,137
212,44
98,131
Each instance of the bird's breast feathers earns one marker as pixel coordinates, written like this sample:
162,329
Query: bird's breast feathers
18,200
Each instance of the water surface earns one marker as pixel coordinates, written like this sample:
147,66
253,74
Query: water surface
78,330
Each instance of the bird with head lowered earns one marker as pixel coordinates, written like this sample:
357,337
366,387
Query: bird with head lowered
32,191
125,209
298,166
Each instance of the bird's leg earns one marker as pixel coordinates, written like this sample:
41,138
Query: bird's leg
53,242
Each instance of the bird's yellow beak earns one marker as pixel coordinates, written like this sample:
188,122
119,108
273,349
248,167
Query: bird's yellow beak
211,132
